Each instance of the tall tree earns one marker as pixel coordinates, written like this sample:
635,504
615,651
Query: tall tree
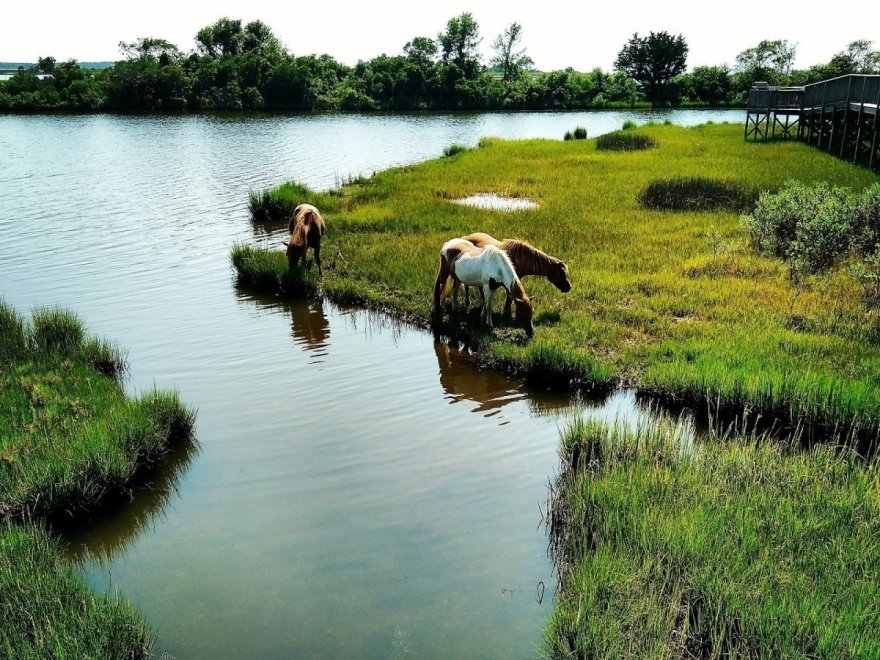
459,44
774,59
508,55
651,61
224,37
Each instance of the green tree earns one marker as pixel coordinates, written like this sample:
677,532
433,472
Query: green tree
769,61
652,61
459,44
223,37
509,57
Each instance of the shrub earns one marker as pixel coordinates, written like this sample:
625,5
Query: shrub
579,133
697,194
866,220
620,141
810,227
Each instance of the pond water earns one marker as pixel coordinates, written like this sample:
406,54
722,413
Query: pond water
359,489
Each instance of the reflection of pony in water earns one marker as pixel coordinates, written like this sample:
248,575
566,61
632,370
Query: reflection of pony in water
306,227
527,260
467,264
461,381
309,324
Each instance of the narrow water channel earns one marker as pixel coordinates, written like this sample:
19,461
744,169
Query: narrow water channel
358,489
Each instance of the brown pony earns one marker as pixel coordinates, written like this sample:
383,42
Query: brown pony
306,227
527,260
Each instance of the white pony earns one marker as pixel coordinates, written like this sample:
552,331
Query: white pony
467,264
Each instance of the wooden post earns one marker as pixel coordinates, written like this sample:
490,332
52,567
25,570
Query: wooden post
822,115
874,144
859,120
845,116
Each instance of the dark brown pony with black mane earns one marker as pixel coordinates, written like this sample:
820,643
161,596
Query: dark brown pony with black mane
527,260
306,227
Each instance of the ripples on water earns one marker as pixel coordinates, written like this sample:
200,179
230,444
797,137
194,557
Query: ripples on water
359,490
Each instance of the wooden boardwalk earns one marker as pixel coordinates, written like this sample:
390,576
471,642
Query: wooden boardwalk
838,115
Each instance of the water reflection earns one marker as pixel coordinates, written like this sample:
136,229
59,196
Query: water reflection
310,326
111,529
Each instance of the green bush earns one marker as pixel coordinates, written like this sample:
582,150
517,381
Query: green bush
697,194
810,227
866,220
620,141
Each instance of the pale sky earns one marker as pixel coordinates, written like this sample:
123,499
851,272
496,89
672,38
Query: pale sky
556,34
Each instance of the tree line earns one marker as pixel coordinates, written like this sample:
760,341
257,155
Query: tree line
245,67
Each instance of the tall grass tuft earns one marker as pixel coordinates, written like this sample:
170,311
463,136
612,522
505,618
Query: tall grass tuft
735,547
267,271
454,150
277,204
57,331
620,141
697,193
48,611
579,133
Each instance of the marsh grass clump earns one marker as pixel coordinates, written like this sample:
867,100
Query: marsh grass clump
579,133
277,204
620,141
47,609
267,271
454,150
697,193
71,440
737,547
629,125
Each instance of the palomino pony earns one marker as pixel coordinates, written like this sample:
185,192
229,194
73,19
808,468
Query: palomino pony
306,227
527,260
467,264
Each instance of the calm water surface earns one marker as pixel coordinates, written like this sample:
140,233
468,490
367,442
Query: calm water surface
359,489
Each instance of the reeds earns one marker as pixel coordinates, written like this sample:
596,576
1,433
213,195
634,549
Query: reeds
70,439
697,193
579,133
48,611
620,141
739,546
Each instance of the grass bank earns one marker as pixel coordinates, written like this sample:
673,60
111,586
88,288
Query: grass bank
674,303
70,439
737,548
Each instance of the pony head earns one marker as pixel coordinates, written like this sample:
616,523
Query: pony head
558,276
525,312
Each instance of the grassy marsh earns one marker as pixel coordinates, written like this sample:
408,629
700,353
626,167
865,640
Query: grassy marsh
674,303
741,547
70,440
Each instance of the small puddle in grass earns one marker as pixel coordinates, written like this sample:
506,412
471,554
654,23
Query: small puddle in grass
494,202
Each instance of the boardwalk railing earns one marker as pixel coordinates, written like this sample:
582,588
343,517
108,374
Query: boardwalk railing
839,115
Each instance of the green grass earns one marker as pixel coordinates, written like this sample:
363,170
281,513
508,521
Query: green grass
735,547
70,439
277,204
676,304
48,611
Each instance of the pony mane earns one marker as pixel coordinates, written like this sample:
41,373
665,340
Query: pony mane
530,258
503,256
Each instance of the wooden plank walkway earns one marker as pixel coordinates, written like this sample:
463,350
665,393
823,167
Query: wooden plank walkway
839,115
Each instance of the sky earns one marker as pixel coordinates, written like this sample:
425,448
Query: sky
556,33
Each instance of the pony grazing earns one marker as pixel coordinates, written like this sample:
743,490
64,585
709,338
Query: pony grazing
467,264
306,227
527,260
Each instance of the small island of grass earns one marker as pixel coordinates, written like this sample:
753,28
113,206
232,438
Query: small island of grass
71,439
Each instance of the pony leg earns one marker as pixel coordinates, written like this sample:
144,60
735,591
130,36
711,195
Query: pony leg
487,304
467,296
508,304
456,286
442,275
318,259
